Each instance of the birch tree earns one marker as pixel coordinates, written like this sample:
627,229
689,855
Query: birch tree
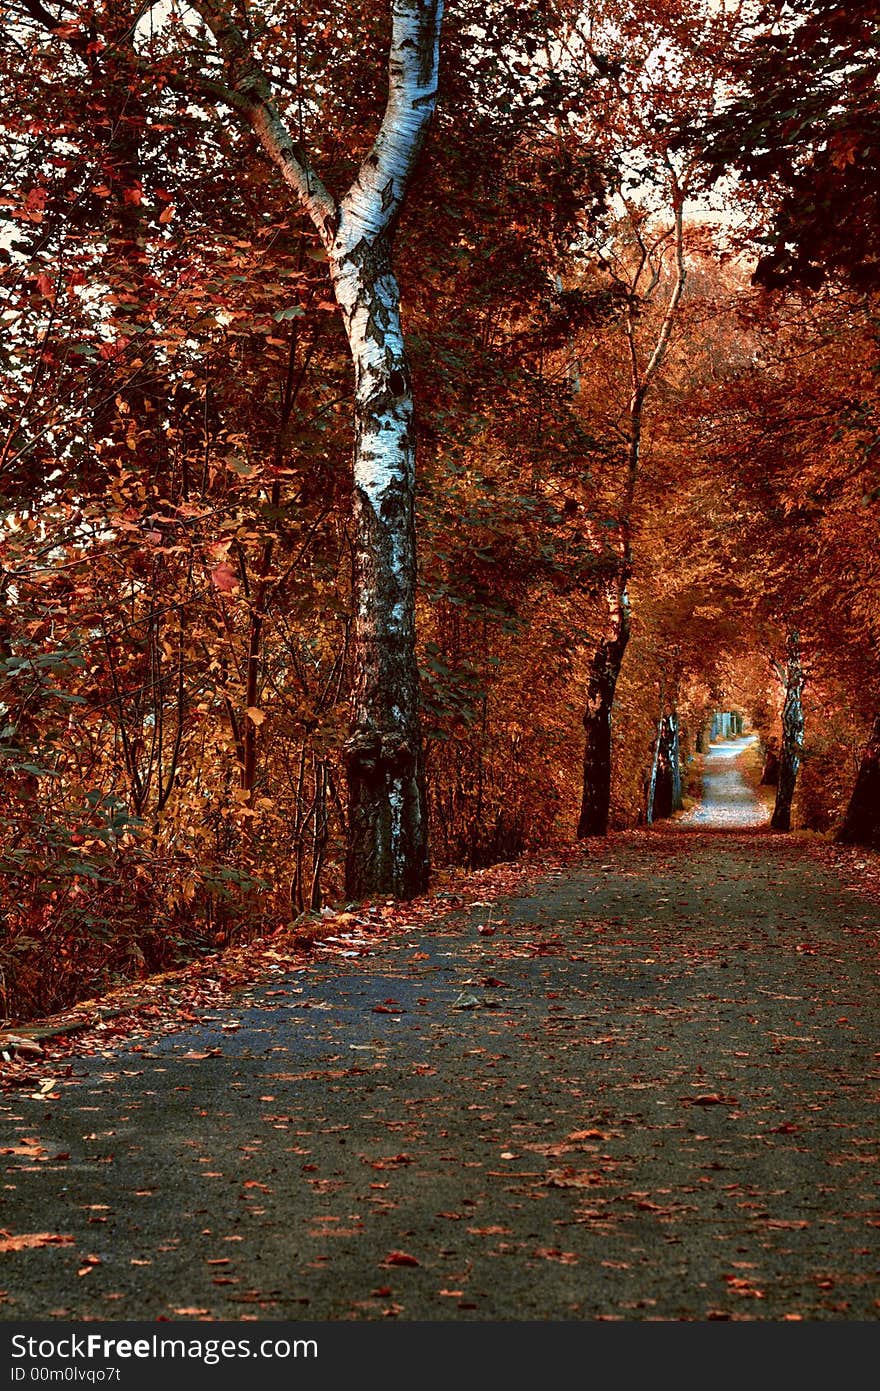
387,837
792,677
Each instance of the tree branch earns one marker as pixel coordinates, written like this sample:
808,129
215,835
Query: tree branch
374,198
250,93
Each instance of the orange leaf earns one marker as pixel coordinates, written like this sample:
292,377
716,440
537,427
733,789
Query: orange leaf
27,1240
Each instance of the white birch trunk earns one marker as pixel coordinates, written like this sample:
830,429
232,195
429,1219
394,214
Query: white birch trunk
387,835
387,850
388,841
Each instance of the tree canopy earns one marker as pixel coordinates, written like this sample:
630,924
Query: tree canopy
392,398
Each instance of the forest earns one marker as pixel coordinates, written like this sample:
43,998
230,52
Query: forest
414,425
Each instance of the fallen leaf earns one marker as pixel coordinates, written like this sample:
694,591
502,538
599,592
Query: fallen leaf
572,1178
27,1146
19,1044
8,1242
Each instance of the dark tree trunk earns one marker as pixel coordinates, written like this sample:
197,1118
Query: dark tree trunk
675,763
861,825
792,737
661,788
604,671
770,770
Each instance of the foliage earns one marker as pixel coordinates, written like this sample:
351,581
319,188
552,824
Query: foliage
175,536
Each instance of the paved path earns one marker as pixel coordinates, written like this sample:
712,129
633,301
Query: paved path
727,802
651,1093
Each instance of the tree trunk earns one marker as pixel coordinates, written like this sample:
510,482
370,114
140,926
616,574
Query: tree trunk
861,825
387,845
663,785
661,788
770,768
387,815
792,737
677,801
604,671
655,766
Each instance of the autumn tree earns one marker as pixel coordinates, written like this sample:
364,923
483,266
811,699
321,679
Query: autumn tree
387,821
802,127
786,430
657,84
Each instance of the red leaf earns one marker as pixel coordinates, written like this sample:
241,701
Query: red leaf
224,577
400,1258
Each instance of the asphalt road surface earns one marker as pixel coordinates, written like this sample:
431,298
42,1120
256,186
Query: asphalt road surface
650,1093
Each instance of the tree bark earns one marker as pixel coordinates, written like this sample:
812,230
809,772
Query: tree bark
604,671
387,850
792,737
661,801
676,801
861,825
770,768
655,767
